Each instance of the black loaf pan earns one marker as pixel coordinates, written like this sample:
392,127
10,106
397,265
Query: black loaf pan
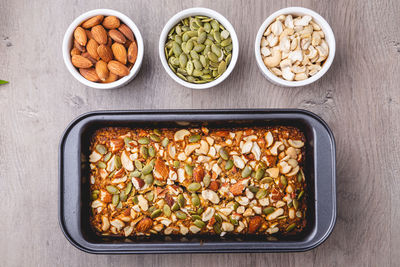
320,172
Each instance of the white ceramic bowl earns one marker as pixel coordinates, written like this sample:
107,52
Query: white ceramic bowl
68,42
194,12
329,37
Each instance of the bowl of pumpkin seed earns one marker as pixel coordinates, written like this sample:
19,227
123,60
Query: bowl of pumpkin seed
198,48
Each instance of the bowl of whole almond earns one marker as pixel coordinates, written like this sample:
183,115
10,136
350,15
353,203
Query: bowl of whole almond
103,49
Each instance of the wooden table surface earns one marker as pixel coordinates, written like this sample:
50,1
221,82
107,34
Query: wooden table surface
359,98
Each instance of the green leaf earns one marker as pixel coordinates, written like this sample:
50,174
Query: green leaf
3,82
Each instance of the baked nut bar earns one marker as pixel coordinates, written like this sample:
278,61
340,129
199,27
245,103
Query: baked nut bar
197,181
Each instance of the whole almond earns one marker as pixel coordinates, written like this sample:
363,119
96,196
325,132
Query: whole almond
117,68
96,20
89,74
99,34
75,51
126,31
109,41
81,62
91,47
111,78
89,34
87,55
78,46
80,36
105,53
119,52
111,22
117,36
132,52
102,70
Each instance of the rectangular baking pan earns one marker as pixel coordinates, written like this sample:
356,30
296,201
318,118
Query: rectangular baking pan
320,171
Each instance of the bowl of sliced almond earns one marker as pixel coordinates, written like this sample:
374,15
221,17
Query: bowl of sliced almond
103,49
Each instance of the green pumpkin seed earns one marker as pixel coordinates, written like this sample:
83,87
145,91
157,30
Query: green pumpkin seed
143,140
181,201
228,59
194,138
101,165
166,210
112,189
226,42
178,39
300,176
202,37
200,211
150,196
221,67
228,165
300,195
207,27
283,180
151,209
282,217
290,227
213,57
215,25
148,179
197,65
189,67
223,153
165,142
261,193
203,61
195,200
259,174
94,196
295,203
152,151
198,48
218,218
115,200
176,49
118,163
253,189
107,157
176,164
181,215
123,196
144,152
197,73
217,228
246,171
207,180
193,187
136,173
268,210
128,188
101,149
235,205
138,165
159,183
147,169
189,170
155,138
233,221
266,180
199,223
156,213
217,36
196,217
175,207
135,200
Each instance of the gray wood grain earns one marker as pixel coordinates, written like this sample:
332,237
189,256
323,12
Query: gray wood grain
359,98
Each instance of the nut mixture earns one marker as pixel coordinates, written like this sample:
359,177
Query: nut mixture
198,49
104,49
197,180
294,48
